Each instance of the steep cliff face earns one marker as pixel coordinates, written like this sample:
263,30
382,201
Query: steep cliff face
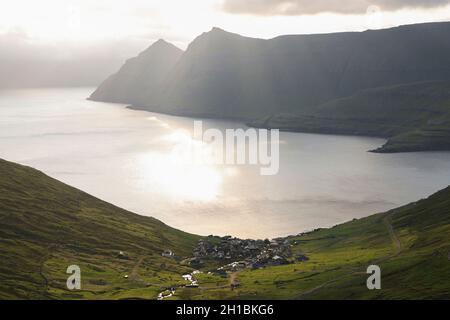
222,74
225,74
140,79
378,83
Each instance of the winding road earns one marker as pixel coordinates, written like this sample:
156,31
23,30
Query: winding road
393,235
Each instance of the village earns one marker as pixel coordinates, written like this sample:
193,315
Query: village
233,255
243,254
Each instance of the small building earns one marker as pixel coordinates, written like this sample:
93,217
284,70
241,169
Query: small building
220,272
274,244
168,254
252,247
278,260
187,277
301,257
256,265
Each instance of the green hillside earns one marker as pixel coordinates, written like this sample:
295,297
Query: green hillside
45,226
414,117
434,135
410,244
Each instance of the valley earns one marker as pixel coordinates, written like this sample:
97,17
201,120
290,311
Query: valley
121,254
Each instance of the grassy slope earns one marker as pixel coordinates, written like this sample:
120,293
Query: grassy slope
417,267
45,226
434,135
415,116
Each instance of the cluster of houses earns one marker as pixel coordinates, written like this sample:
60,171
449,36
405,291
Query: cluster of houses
235,254
248,253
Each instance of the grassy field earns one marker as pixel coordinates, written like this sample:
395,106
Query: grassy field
45,226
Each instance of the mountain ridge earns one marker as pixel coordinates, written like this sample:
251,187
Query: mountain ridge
226,75
141,76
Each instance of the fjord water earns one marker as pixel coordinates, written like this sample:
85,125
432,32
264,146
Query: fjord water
129,158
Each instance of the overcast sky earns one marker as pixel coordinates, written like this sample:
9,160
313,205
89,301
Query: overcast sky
117,29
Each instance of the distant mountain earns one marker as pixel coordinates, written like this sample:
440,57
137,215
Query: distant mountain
141,77
222,74
45,226
226,75
376,83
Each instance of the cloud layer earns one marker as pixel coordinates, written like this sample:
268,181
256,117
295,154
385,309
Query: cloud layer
304,7
28,63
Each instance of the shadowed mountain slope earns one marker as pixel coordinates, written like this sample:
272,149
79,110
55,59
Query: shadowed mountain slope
222,74
415,117
141,77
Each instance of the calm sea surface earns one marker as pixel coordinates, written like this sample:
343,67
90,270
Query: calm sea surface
131,159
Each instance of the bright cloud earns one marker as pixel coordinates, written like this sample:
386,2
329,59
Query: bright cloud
102,33
90,22
305,7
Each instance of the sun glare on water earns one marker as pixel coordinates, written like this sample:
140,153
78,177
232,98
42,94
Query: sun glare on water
176,174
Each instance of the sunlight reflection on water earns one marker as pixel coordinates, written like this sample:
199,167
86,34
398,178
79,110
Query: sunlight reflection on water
140,161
